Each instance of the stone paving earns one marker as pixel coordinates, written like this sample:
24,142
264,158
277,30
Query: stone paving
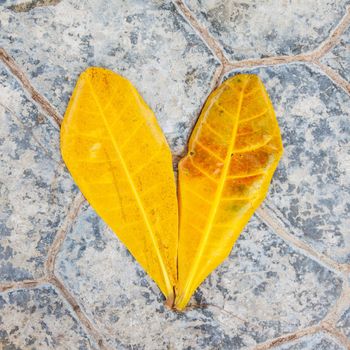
66,282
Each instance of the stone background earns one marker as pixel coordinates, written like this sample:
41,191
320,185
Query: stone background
66,282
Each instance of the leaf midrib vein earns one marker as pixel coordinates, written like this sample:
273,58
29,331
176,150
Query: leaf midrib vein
134,191
216,202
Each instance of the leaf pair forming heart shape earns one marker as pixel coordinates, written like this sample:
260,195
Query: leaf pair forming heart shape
118,156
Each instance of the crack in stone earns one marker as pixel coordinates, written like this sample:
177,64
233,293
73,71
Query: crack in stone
54,280
202,31
288,337
84,320
267,61
334,76
29,284
38,98
341,304
312,56
221,308
327,324
61,234
330,329
333,38
270,220
27,6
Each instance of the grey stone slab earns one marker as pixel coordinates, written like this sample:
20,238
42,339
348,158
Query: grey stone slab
339,57
317,341
257,29
35,189
343,323
40,319
148,42
310,191
265,289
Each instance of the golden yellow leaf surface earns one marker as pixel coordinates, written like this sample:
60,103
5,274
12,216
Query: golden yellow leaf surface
233,152
119,158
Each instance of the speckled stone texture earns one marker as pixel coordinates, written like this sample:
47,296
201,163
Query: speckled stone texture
239,305
148,42
256,29
318,341
39,319
344,322
35,188
270,287
339,57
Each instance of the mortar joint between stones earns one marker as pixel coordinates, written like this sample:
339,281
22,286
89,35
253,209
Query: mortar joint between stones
314,57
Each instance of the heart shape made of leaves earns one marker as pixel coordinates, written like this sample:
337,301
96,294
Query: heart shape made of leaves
120,160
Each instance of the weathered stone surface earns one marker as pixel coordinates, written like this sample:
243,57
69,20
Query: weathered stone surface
256,29
339,57
266,288
39,319
35,189
263,290
318,341
310,191
344,323
149,42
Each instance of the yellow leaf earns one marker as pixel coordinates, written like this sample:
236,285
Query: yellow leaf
232,155
118,156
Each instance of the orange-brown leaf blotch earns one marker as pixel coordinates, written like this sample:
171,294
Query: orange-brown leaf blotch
119,158
232,155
